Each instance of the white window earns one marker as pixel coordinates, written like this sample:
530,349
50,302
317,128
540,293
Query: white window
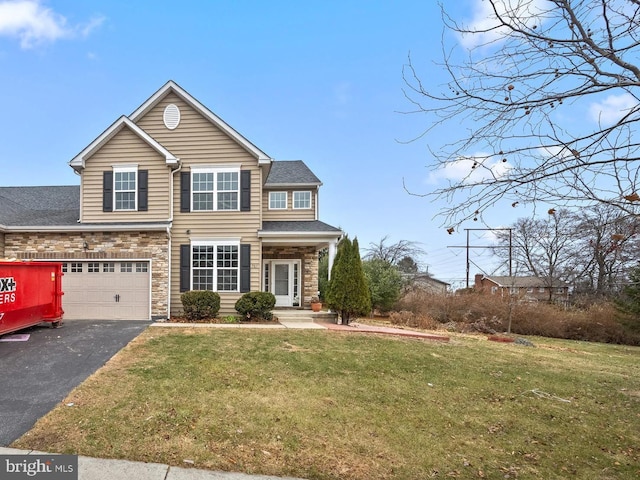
529,289
93,267
215,189
301,200
277,200
494,290
215,266
513,290
108,267
541,289
124,188
142,267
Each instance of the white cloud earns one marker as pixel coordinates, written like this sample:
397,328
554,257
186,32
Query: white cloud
484,19
33,23
474,169
612,108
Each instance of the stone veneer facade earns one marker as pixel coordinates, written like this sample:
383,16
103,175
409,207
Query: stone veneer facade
151,246
308,257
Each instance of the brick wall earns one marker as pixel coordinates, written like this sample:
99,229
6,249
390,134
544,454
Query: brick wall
100,245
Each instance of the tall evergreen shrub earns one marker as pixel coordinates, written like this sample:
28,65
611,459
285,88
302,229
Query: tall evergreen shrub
348,293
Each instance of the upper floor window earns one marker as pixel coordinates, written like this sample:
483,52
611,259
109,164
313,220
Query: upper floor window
214,189
124,188
301,200
277,200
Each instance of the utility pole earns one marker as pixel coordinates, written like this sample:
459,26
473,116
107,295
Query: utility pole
468,247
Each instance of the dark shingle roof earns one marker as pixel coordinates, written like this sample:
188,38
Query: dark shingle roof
39,206
290,172
303,226
525,282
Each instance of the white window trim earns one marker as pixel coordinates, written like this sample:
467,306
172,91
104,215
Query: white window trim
215,244
125,169
214,192
294,200
286,201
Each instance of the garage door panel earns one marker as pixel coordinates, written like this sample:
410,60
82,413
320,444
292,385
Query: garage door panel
106,291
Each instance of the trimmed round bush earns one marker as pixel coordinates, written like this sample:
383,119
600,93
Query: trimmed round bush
199,304
256,305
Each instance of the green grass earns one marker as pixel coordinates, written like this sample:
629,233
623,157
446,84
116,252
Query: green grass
325,405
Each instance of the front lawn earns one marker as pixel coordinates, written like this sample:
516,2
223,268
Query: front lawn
328,405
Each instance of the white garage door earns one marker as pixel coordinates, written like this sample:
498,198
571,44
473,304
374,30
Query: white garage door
106,290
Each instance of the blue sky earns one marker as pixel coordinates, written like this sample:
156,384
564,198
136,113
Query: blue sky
319,81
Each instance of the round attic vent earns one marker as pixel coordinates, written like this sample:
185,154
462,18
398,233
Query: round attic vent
171,116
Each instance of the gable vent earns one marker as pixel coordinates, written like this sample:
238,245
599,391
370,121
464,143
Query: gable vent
171,116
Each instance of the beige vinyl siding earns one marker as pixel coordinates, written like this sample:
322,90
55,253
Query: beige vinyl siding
290,213
1,245
196,141
214,226
125,148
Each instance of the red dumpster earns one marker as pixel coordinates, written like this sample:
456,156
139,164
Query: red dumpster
30,293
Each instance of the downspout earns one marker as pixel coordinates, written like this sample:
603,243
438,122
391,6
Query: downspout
169,246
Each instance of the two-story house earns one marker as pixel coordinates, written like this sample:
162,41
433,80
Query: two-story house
171,198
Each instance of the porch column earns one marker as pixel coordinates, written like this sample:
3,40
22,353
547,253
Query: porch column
332,254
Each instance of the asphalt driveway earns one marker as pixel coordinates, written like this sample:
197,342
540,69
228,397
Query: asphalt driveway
37,374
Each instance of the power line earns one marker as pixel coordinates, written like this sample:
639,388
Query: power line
468,247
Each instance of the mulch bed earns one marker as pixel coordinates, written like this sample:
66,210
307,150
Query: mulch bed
221,321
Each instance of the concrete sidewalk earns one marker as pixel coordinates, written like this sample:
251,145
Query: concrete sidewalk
103,469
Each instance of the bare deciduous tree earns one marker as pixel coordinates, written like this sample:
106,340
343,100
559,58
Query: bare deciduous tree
545,100
394,253
593,250
607,247
543,247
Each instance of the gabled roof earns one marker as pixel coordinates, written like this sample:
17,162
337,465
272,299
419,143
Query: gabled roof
423,277
45,206
524,282
172,86
291,173
78,162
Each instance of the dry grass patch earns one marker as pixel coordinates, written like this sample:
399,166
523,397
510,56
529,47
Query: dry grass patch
326,405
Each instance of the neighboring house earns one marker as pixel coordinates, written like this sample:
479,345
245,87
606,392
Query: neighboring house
426,283
171,199
532,288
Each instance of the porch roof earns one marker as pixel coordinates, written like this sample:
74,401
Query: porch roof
303,231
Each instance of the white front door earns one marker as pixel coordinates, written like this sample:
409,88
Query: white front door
284,281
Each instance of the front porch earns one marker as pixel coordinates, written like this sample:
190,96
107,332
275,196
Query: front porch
290,259
291,274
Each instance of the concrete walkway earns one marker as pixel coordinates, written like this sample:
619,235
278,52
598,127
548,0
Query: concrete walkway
103,469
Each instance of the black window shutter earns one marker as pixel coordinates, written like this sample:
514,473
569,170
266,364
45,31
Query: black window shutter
107,191
245,190
185,267
245,268
143,190
185,191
